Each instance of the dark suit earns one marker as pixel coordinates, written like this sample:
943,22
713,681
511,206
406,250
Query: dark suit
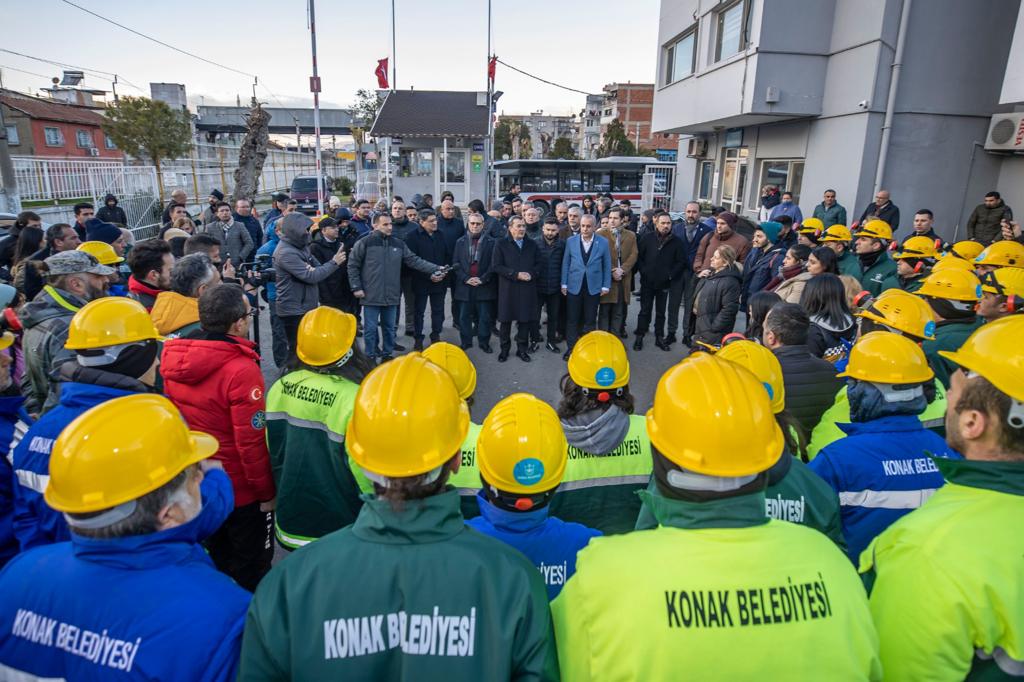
517,300
430,247
475,303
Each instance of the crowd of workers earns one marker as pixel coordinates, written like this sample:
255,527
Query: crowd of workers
870,420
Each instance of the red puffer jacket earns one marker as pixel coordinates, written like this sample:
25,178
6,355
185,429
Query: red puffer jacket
215,381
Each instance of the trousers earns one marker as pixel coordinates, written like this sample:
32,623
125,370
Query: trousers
243,546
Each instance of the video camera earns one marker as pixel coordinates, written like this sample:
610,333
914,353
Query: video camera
258,272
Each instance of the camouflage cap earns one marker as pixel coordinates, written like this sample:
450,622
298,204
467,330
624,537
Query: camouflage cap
75,262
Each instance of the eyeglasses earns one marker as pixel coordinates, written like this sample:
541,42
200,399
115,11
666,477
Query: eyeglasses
253,312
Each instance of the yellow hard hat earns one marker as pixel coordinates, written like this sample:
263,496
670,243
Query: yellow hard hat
953,263
325,336
599,361
1005,282
902,311
120,450
763,364
812,226
101,251
1003,254
966,249
110,321
713,417
521,448
876,229
951,284
454,360
887,359
6,340
837,233
917,247
408,419
993,352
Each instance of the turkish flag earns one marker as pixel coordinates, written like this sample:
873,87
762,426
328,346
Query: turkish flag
382,73
492,64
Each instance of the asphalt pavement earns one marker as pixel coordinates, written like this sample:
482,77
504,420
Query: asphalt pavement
541,376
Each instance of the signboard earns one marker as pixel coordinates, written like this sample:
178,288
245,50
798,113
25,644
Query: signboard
478,162
396,140
733,137
478,146
314,83
170,178
347,156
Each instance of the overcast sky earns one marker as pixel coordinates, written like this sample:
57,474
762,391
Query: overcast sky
442,45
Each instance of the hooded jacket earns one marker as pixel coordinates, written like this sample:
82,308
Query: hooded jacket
143,292
983,225
829,341
227,403
154,596
112,214
35,523
717,299
45,320
402,570
298,273
14,422
175,315
550,543
881,470
609,461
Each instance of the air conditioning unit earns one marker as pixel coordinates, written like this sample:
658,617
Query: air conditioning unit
1006,133
94,152
697,147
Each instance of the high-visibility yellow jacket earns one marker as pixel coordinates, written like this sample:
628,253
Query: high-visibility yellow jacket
948,579
717,591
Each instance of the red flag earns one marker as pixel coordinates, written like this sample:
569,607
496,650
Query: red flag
382,73
492,64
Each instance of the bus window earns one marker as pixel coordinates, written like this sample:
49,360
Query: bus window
508,180
597,181
540,180
625,181
570,181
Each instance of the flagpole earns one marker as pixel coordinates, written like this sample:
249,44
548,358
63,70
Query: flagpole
394,50
489,154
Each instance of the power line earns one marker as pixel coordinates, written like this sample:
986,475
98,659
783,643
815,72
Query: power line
530,75
31,73
159,42
95,72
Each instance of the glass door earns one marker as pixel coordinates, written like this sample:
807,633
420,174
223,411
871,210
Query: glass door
734,179
452,174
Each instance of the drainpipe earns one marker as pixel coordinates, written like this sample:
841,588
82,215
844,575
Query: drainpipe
975,146
890,105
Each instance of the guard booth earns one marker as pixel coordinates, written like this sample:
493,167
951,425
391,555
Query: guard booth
433,141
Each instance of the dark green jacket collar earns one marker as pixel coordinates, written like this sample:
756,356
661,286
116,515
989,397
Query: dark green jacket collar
732,512
1002,477
433,519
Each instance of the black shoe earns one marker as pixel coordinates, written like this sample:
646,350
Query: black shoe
566,355
486,348
670,339
400,348
559,338
623,334
534,347
662,344
552,347
456,325
434,338
466,346
639,343
523,355
503,356
385,358
418,345
410,332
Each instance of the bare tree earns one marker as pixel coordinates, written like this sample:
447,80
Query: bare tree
253,153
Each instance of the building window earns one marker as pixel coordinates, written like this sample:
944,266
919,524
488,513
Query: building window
785,174
12,136
732,30
679,57
416,163
707,170
108,143
54,137
84,139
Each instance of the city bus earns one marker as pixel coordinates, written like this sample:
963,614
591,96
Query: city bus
548,181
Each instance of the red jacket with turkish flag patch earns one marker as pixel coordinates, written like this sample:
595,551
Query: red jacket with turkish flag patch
215,381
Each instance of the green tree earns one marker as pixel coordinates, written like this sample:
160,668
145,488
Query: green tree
364,112
562,149
147,128
502,141
616,142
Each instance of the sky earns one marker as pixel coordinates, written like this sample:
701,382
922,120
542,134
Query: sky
442,45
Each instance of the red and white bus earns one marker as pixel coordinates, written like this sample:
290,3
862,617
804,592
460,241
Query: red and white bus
545,182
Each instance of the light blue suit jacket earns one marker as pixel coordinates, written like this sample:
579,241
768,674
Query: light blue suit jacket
598,269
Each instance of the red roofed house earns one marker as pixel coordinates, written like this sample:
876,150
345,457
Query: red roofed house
44,127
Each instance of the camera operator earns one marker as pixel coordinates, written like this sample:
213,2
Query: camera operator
335,235
298,274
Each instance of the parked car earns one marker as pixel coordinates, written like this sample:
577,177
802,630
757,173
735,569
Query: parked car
303,190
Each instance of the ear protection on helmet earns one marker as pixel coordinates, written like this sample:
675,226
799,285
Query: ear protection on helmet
919,266
604,396
11,320
862,299
734,336
1014,304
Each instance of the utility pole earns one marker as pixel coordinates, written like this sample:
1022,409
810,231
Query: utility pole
489,146
9,199
314,85
394,50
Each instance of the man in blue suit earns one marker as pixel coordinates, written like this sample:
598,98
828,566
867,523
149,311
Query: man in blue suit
586,276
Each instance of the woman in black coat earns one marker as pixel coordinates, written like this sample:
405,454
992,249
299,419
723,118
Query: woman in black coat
717,298
517,269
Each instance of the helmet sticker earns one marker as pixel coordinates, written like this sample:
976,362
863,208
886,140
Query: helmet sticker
605,376
771,393
528,471
929,328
